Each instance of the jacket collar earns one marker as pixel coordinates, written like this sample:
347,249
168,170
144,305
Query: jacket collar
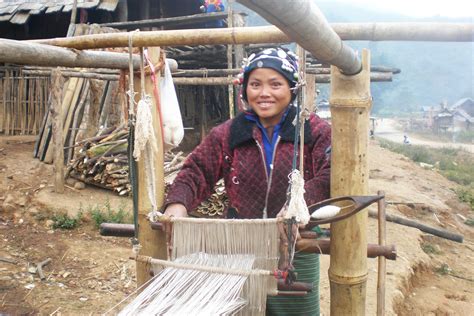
241,130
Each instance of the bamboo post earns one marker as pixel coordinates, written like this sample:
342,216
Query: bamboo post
152,243
302,101
230,62
72,23
381,261
310,94
57,126
350,106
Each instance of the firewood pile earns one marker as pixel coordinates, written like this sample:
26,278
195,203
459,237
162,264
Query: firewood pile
103,161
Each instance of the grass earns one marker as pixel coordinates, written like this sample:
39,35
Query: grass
105,214
443,269
454,164
430,249
64,221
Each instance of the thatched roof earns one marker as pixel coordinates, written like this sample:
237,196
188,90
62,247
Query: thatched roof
18,12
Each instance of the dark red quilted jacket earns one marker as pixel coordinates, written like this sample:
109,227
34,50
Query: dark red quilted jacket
234,151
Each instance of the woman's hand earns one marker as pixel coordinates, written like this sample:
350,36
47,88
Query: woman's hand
176,210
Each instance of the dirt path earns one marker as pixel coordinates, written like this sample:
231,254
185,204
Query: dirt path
90,274
389,129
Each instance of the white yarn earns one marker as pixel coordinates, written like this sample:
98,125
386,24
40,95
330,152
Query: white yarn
144,132
187,292
145,142
326,211
297,207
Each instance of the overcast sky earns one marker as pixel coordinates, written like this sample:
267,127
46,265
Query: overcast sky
422,8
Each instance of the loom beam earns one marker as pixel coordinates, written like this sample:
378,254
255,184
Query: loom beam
308,243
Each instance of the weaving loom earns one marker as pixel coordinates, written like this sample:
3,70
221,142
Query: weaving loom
218,266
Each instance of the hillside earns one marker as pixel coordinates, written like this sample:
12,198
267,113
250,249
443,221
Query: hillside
431,72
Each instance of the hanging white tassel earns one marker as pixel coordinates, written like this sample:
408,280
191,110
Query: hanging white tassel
297,207
144,132
145,142
326,212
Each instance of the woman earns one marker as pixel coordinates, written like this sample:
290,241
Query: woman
253,153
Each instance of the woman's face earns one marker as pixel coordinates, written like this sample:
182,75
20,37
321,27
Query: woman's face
268,94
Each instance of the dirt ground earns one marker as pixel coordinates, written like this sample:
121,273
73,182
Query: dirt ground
90,274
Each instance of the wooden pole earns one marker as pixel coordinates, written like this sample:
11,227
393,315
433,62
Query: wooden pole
350,106
28,53
230,60
434,32
311,91
213,81
72,23
153,243
57,126
172,21
381,261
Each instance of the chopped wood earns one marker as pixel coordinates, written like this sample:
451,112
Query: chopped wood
103,161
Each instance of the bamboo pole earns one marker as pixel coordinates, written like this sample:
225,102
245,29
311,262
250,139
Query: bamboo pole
77,74
230,60
152,243
421,31
72,23
57,126
28,53
350,106
381,260
172,21
214,81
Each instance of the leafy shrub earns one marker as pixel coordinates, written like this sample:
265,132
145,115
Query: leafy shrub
64,221
429,248
105,214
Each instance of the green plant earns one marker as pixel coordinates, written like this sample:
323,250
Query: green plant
429,249
64,221
466,195
105,214
469,221
444,269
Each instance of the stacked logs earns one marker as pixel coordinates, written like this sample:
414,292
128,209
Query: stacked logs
102,161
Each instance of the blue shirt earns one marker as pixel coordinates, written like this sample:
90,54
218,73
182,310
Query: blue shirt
268,144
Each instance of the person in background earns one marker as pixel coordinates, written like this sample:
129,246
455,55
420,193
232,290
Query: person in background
253,153
209,6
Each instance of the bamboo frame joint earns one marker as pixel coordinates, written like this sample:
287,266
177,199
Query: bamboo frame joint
346,280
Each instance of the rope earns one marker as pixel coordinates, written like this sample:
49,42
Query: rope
145,141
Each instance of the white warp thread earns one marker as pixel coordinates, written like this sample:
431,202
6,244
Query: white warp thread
297,207
192,292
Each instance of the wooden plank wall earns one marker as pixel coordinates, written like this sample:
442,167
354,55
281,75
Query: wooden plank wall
23,102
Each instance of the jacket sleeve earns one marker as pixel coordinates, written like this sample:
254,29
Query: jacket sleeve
200,172
317,188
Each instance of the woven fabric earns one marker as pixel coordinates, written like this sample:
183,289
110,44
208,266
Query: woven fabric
307,267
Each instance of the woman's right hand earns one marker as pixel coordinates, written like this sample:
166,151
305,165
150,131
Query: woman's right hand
176,210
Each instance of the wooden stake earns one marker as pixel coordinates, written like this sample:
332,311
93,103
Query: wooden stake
230,62
350,106
57,126
381,261
153,243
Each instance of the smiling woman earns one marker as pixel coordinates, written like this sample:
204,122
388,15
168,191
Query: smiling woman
253,153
